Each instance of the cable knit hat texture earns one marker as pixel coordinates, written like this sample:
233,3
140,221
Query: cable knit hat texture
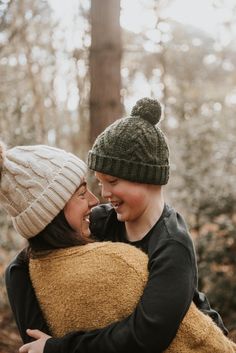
133,148
35,184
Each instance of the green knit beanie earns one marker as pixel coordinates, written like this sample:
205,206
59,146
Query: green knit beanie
133,148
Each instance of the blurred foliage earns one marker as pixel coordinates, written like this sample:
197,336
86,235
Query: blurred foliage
10,243
216,249
193,75
42,79
10,340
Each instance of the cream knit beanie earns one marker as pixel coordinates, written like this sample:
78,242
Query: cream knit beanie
35,184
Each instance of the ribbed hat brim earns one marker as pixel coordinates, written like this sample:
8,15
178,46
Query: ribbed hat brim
129,170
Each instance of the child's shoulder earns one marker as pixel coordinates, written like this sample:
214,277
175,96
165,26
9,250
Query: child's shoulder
175,224
172,229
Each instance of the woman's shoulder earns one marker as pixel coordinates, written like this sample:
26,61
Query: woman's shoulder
113,251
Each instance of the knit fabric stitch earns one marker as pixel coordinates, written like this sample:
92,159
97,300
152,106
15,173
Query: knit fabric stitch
105,282
35,184
133,148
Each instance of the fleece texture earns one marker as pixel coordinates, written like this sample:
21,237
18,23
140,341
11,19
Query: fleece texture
91,286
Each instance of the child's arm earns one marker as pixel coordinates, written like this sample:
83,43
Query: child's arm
150,328
202,303
156,319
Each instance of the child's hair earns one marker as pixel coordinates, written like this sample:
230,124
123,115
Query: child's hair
57,234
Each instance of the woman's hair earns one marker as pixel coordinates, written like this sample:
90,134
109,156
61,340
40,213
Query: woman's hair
57,234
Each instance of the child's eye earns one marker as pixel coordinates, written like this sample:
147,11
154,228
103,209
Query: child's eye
113,181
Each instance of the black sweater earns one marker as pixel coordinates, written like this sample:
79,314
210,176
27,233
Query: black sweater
155,321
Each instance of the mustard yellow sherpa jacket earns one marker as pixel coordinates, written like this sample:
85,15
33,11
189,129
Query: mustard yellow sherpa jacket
90,286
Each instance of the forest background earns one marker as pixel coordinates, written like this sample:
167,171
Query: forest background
66,72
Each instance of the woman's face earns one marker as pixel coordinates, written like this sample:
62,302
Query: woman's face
78,208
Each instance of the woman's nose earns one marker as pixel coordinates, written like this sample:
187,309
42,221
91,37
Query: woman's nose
93,200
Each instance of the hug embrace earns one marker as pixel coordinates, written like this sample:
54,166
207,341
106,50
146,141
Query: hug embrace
115,277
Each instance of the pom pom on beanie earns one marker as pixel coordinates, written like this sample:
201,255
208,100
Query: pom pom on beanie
147,109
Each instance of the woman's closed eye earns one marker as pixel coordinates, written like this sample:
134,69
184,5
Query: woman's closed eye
81,190
81,193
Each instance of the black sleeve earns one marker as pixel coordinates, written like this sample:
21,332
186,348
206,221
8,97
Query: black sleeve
103,222
203,304
22,299
155,321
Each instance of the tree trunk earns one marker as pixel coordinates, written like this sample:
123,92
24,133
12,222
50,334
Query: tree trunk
105,61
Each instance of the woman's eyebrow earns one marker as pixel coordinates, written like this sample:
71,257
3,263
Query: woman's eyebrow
83,184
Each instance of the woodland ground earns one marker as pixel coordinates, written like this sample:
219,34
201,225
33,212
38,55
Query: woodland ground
9,338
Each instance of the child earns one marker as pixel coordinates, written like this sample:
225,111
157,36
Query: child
131,161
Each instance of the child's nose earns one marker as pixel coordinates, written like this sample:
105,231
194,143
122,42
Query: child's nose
106,193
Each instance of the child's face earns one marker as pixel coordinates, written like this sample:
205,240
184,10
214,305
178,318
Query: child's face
130,200
78,208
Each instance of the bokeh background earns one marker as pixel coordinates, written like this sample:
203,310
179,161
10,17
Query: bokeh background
68,69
